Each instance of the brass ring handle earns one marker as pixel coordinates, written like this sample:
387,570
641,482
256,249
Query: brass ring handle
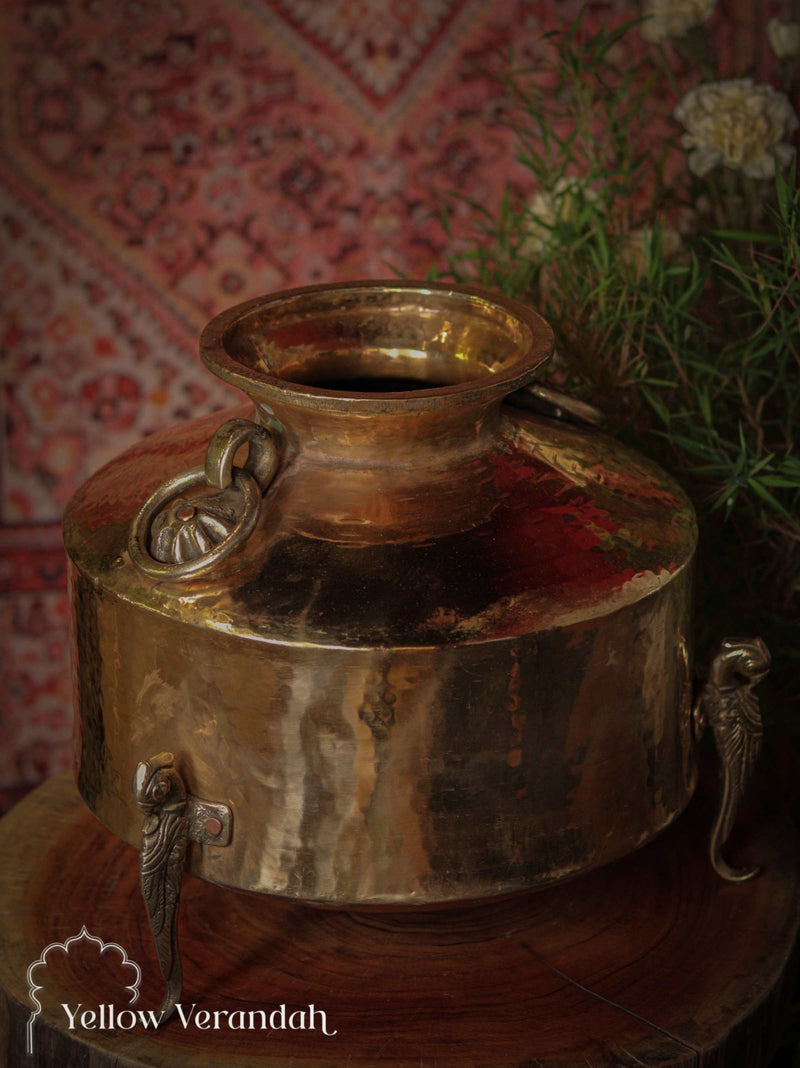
174,537
233,539
262,458
544,400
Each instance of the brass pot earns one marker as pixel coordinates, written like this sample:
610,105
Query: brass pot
421,645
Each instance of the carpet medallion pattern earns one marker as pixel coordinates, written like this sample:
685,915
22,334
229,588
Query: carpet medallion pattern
161,160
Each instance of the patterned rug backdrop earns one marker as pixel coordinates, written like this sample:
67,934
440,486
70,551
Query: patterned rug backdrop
160,160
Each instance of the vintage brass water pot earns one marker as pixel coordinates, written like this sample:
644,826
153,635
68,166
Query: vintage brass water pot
392,639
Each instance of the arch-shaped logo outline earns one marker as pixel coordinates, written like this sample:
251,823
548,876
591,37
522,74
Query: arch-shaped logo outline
84,935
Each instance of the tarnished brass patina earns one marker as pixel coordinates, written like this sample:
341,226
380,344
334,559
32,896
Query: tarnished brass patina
452,656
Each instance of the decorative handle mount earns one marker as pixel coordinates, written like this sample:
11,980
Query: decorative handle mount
175,537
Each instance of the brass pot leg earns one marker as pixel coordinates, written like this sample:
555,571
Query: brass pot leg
172,819
727,703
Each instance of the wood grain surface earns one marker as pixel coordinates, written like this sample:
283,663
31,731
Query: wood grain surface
652,961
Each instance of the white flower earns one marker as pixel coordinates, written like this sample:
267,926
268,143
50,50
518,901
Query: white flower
673,18
784,38
562,205
739,124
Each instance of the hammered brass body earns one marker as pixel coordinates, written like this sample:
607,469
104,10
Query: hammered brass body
452,660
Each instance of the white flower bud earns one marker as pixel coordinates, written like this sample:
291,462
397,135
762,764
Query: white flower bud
673,18
547,209
784,38
638,246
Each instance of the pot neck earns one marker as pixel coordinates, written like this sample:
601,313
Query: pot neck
359,477
387,397
383,436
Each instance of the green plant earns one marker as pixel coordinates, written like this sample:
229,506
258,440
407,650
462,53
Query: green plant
674,294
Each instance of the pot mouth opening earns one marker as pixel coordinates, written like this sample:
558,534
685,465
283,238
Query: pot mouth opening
394,343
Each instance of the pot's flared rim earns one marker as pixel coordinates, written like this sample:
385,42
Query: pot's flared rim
508,342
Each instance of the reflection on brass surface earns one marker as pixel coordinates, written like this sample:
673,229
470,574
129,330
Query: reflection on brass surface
727,703
172,819
190,536
451,660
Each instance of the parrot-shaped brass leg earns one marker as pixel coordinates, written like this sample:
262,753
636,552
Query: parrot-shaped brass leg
728,705
173,818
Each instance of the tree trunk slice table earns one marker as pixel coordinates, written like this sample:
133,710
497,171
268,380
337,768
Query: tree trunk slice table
652,961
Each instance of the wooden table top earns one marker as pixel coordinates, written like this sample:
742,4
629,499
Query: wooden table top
652,961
